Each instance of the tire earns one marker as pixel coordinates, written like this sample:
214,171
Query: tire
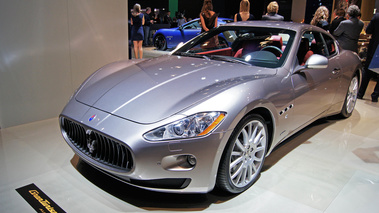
160,42
351,98
243,157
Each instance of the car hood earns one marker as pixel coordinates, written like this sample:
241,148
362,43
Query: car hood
154,89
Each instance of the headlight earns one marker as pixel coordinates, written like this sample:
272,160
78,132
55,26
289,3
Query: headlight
192,126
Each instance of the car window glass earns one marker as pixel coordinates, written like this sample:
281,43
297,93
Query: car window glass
193,25
330,44
267,47
311,43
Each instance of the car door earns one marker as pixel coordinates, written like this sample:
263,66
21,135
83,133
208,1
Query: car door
190,30
314,89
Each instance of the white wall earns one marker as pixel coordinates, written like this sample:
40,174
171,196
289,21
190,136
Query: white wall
48,47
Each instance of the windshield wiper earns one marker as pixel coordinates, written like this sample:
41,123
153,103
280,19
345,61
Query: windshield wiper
192,55
228,59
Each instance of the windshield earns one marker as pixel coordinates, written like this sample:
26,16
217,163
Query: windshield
258,46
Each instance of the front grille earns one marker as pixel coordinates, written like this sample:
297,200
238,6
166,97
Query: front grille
95,145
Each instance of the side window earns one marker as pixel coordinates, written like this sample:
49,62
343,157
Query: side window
188,26
193,25
330,44
317,44
196,25
311,43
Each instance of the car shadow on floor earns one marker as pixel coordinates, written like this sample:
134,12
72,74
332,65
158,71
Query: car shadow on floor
150,200
146,199
301,137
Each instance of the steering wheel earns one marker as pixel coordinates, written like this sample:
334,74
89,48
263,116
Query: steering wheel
278,52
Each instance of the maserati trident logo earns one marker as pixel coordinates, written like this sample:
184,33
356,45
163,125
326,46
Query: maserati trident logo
91,142
92,117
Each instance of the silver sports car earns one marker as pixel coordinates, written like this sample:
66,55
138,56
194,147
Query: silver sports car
208,114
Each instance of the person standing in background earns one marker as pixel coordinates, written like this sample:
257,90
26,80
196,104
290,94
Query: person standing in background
244,14
348,31
208,17
181,19
272,12
320,18
146,27
167,18
209,20
137,21
372,28
339,17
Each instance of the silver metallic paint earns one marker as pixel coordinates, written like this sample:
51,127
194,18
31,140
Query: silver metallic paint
131,98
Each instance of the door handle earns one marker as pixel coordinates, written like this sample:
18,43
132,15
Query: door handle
336,71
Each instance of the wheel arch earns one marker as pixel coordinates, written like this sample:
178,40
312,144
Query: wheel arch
358,72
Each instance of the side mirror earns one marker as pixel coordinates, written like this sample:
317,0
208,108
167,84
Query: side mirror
314,62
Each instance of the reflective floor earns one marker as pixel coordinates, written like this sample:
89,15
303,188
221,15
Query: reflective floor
331,166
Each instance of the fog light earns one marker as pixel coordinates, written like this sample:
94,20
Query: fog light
191,160
182,162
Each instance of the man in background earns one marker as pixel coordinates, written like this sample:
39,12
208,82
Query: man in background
146,27
372,28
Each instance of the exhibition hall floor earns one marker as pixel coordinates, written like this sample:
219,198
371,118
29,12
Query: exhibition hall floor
330,166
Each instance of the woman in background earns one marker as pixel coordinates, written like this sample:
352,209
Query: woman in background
320,19
208,21
244,14
137,22
208,17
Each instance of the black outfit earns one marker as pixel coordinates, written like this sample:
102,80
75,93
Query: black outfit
239,18
372,28
323,24
273,17
137,29
335,24
146,29
167,20
209,22
148,18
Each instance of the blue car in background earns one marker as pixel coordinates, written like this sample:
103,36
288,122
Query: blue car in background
170,38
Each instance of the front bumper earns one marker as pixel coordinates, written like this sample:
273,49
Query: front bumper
158,166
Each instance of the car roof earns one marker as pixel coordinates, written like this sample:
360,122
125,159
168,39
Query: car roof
274,24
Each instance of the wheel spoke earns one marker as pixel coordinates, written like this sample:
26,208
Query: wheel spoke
237,171
235,162
248,153
245,136
240,145
235,153
352,95
258,137
254,167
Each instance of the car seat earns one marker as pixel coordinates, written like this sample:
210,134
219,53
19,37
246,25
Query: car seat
248,46
304,52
